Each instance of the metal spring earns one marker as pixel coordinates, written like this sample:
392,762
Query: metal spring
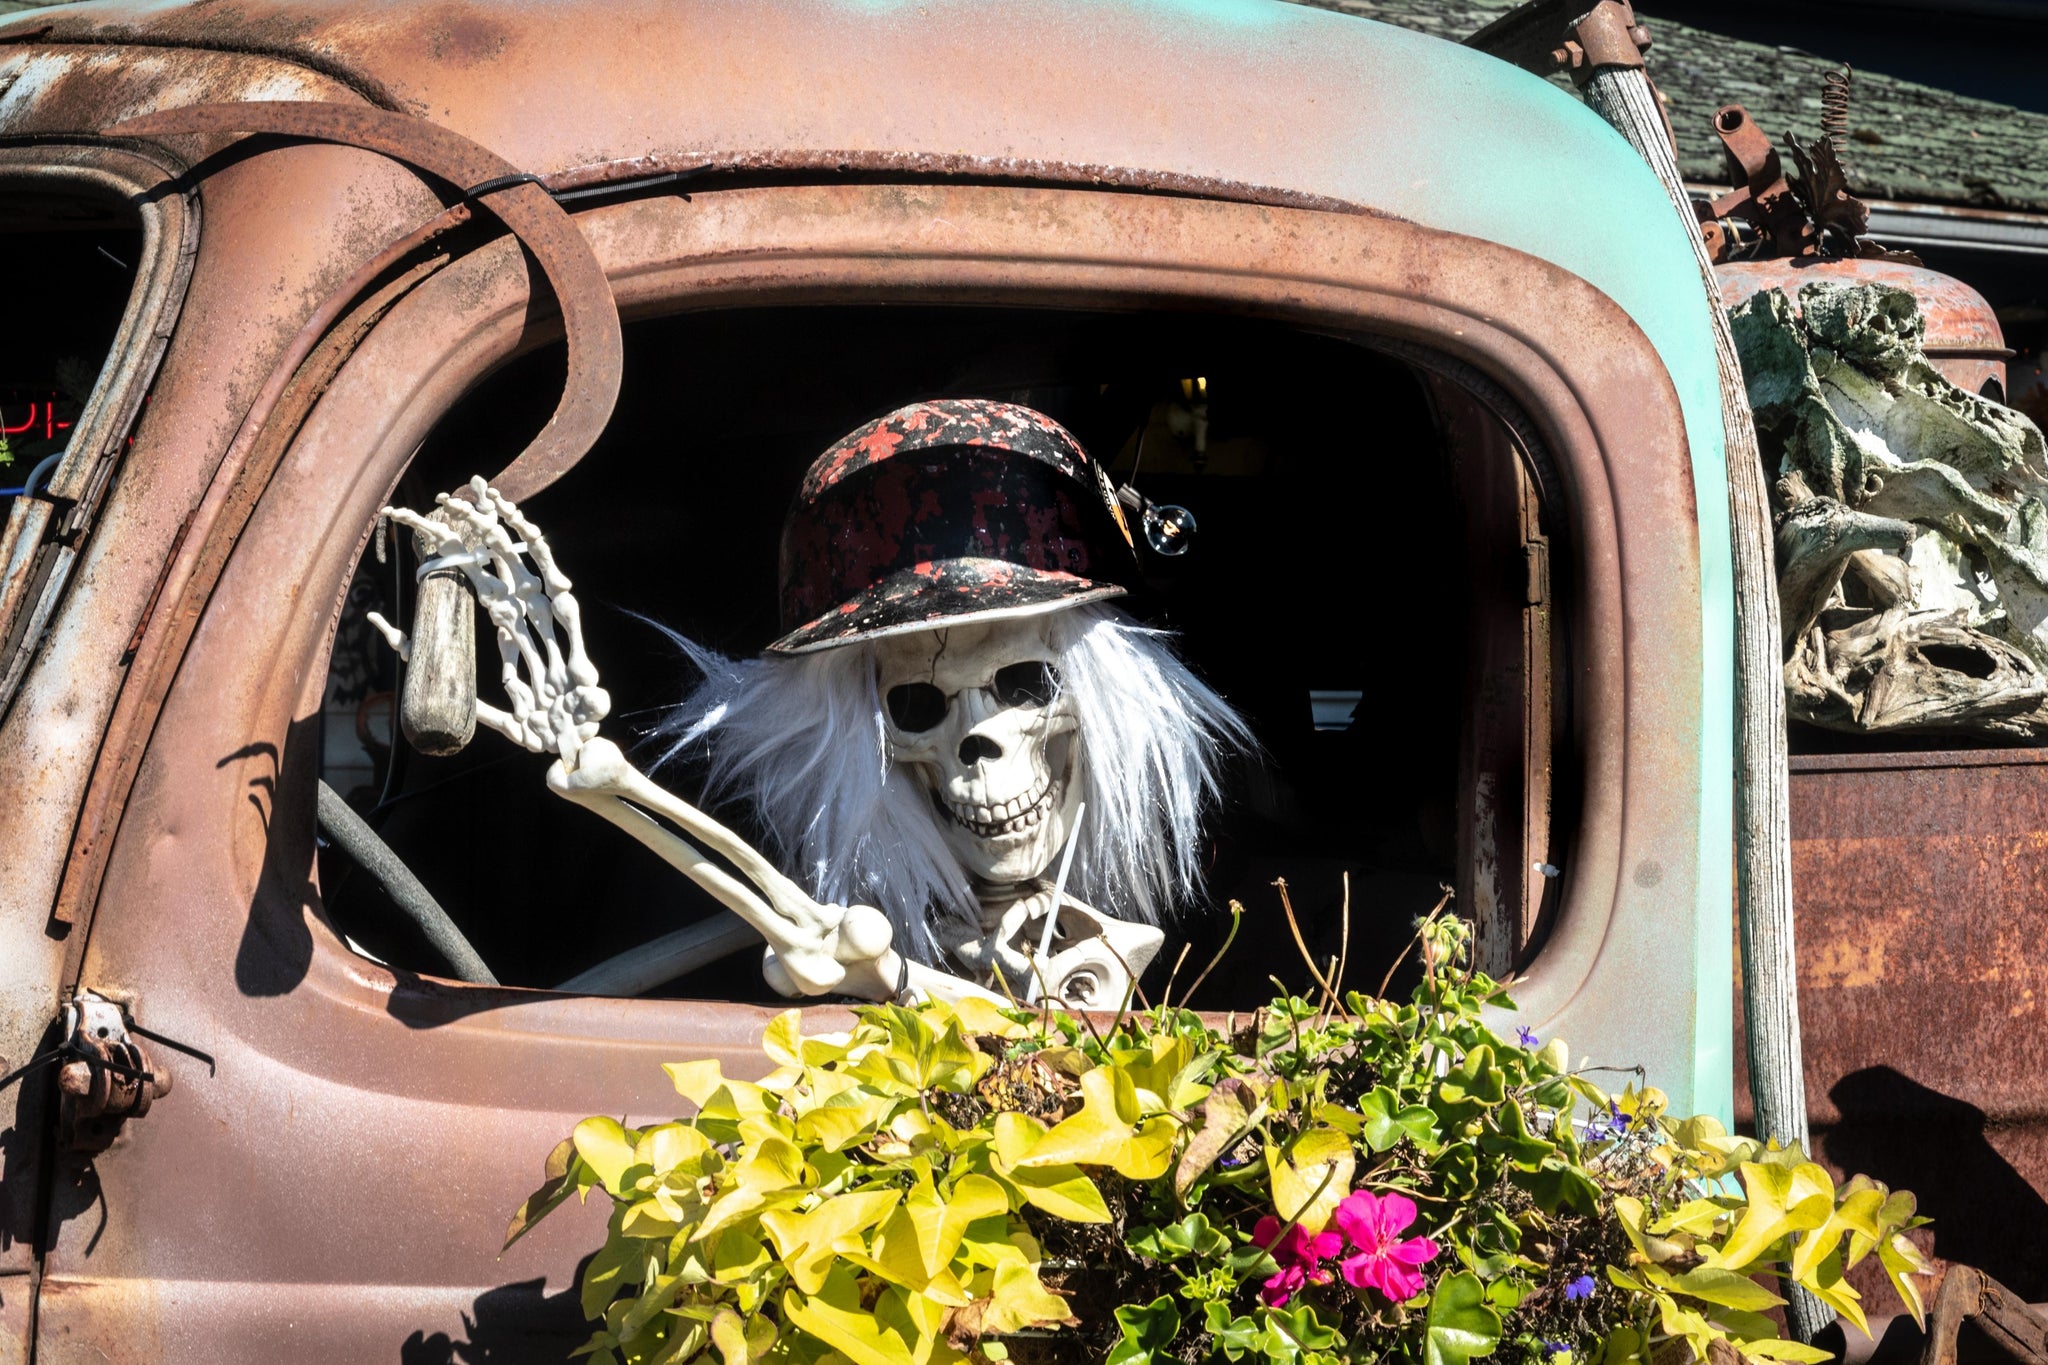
1834,109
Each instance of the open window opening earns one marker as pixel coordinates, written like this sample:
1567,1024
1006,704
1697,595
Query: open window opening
75,254
1369,583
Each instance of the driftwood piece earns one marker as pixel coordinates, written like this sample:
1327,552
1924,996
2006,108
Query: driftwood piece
1623,96
1912,522
1969,1295
437,708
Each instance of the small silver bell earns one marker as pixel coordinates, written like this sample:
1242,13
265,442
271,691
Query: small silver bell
1169,530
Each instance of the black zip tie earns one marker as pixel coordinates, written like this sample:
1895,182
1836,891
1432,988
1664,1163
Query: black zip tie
635,184
175,1046
502,182
34,1063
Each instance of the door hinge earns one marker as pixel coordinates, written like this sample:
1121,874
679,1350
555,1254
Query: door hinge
103,1075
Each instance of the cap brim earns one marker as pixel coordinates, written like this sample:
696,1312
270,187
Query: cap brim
947,592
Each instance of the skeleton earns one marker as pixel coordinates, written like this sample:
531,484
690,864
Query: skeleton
1912,522
976,713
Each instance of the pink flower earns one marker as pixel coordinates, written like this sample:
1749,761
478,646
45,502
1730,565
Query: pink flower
1299,1255
1380,1259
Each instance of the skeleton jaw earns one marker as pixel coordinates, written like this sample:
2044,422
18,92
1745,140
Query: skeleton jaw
1005,842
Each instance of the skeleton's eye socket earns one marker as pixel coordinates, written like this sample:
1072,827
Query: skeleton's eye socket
916,707
1027,684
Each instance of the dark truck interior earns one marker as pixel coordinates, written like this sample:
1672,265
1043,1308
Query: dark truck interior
1326,595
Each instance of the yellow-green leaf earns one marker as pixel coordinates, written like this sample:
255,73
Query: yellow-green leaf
1310,1180
1021,1300
1783,1198
834,1316
783,1039
1857,1213
1062,1191
695,1081
668,1145
1830,1288
804,1240
1725,1287
1901,1261
1107,1131
608,1147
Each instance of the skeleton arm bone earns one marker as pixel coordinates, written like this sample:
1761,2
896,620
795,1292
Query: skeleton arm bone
556,705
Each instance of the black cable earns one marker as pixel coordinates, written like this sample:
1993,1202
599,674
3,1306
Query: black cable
347,831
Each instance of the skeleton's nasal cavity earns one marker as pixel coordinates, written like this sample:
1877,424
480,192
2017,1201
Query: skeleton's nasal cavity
976,748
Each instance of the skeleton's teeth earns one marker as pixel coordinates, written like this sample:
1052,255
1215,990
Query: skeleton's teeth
1005,817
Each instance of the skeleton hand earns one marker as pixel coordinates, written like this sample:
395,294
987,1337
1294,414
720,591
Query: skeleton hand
556,703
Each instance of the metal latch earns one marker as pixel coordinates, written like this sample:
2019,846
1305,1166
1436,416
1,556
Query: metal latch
103,1075
106,1076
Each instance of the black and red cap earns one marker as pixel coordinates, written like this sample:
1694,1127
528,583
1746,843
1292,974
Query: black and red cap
955,510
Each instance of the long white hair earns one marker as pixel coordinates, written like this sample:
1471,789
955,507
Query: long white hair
800,740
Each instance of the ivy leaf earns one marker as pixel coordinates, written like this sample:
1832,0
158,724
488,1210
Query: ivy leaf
1783,1198
1292,1332
1312,1177
1236,1337
1021,1300
804,1240
608,1147
834,1316
560,1182
1227,1114
1107,1131
1460,1325
1901,1261
1387,1121
1146,1329
1191,1236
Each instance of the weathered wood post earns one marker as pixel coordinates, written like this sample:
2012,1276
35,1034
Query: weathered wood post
1603,47
437,708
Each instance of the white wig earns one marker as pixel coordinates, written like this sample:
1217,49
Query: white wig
800,740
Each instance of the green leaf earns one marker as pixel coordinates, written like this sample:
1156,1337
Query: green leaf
1226,1115
1062,1191
1460,1325
1386,1121
608,1147
1145,1330
559,1185
1108,1132
1236,1337
1783,1198
1725,1287
1312,1177
835,1316
1191,1236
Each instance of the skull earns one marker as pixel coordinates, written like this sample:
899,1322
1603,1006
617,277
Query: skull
978,714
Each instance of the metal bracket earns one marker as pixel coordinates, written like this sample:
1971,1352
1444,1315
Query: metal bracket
1558,35
104,1078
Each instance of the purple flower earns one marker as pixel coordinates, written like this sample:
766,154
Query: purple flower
1299,1253
1612,1125
1581,1288
1381,1259
1553,1348
1524,1037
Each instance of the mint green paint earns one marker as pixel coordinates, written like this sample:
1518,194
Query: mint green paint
1494,152
1512,158
1280,95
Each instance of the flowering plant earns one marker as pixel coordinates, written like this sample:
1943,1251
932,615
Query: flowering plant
1338,1179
